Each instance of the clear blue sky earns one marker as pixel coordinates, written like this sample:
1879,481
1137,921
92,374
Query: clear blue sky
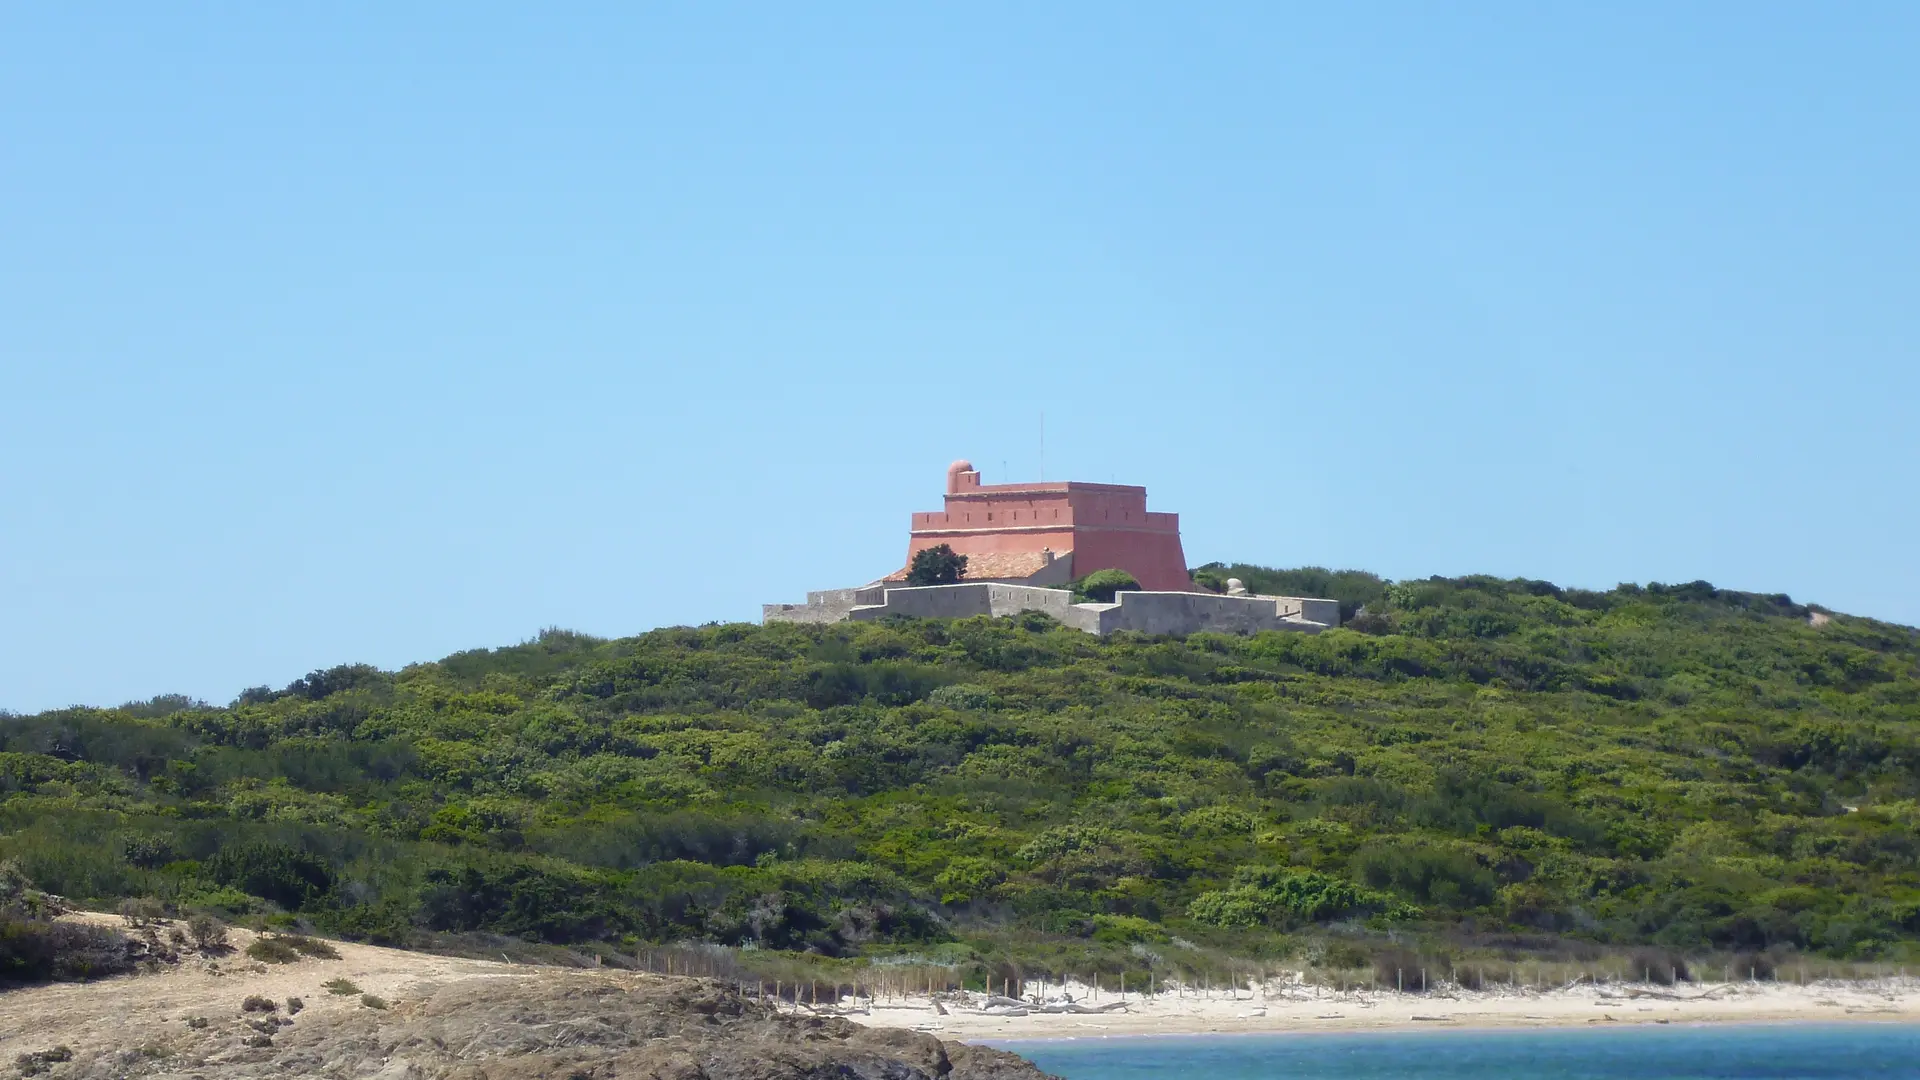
370,332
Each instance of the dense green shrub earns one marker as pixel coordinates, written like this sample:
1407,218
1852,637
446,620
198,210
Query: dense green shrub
35,946
286,875
516,899
1658,966
1429,875
1353,588
1401,969
1264,895
36,950
1682,767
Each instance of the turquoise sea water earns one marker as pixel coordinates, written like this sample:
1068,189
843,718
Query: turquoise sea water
1742,1052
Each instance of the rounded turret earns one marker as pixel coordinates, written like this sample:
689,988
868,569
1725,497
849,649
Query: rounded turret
961,476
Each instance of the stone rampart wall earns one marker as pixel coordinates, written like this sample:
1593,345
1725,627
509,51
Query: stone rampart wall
1324,612
1187,613
966,600
823,606
1140,612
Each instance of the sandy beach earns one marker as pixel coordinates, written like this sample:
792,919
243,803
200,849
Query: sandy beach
155,1008
1309,1008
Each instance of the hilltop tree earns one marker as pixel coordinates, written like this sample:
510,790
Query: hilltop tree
1101,585
937,565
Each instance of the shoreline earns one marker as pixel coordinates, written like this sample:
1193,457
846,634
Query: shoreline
1453,1029
1296,1009
160,1008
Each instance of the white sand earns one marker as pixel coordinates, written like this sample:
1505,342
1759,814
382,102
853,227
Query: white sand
1308,1008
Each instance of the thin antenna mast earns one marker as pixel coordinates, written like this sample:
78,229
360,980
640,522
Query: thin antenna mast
1043,444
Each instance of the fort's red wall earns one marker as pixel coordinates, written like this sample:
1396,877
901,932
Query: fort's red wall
1105,526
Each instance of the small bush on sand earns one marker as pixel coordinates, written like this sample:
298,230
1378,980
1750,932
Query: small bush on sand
140,911
208,933
372,1002
314,947
272,951
42,1061
287,948
294,1005
256,1003
340,987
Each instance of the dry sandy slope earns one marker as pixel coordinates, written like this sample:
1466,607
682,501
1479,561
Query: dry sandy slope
137,1009
455,1019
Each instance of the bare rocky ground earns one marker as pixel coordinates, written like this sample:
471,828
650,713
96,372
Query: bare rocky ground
447,1017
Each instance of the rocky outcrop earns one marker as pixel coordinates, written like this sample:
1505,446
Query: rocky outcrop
560,1028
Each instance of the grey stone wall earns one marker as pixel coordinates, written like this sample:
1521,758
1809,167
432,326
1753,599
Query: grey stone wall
837,605
966,599
1324,612
929,602
1141,612
824,606
1187,613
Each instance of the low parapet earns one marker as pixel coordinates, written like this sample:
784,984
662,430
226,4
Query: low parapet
1188,612
1142,612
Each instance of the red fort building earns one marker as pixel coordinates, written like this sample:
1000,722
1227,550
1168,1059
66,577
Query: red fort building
1050,533
1023,542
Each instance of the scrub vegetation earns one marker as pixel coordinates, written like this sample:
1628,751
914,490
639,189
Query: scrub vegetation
1471,764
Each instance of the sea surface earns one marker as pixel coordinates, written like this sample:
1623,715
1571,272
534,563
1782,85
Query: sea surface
1719,1052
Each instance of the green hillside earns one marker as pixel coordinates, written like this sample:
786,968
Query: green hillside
1475,762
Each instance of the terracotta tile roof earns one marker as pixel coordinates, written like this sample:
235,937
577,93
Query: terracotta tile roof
995,565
